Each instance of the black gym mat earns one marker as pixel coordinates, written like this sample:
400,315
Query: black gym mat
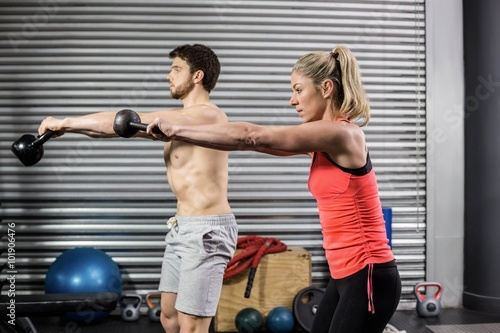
472,328
111,324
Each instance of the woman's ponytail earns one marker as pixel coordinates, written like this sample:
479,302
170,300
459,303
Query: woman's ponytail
354,103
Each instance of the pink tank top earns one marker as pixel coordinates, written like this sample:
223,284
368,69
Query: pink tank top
351,218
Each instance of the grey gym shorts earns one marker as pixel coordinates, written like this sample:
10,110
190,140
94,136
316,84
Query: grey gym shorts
196,256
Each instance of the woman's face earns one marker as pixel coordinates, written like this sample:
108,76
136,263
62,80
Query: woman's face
307,99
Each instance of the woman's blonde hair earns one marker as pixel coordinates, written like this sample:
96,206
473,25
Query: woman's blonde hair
342,68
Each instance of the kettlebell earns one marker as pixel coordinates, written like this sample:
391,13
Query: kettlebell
130,305
154,308
428,304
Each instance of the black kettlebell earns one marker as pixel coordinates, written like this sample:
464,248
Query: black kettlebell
154,308
130,305
127,123
29,149
428,304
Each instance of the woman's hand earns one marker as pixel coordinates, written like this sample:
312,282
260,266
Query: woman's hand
166,130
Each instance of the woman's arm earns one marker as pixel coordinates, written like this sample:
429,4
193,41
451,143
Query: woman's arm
276,140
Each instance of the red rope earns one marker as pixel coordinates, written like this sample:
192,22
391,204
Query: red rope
254,248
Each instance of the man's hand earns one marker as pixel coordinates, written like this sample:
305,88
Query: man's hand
53,124
166,130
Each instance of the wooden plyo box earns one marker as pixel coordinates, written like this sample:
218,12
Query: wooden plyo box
279,277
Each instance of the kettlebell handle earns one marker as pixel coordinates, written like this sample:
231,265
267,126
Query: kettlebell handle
138,299
437,294
41,139
149,296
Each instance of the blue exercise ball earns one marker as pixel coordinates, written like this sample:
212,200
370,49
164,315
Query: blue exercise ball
249,320
280,320
84,270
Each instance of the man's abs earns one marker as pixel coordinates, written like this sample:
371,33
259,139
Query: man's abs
198,177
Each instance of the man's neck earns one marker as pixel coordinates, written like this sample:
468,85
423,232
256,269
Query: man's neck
196,98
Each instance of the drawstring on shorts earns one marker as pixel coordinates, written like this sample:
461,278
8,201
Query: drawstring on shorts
172,222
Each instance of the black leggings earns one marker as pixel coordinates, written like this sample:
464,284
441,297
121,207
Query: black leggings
344,306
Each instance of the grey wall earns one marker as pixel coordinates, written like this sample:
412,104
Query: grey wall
445,153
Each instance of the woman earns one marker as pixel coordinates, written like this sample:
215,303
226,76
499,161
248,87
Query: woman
364,289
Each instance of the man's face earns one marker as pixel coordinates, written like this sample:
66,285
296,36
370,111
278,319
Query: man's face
180,78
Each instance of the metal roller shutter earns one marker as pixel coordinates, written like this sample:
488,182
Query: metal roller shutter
67,58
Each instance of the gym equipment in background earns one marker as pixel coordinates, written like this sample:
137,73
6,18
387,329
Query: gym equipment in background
428,304
153,301
130,307
83,270
27,306
249,320
29,149
254,248
280,320
387,212
305,305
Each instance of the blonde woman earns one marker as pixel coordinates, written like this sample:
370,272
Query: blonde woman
364,289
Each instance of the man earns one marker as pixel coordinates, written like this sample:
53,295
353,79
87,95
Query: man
203,234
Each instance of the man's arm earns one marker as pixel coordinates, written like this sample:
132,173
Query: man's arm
100,125
96,125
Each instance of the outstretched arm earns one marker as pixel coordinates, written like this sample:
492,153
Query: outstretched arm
100,125
276,140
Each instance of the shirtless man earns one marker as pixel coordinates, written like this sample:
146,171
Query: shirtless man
203,234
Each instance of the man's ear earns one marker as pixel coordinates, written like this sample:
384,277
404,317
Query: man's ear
198,76
327,88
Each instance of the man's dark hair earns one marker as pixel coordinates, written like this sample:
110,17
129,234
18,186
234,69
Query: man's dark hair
199,57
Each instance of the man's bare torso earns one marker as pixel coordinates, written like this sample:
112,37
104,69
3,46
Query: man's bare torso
198,178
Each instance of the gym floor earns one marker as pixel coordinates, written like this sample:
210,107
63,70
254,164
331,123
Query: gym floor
402,320
412,323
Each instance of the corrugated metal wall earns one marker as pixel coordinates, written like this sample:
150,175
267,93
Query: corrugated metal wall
67,58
